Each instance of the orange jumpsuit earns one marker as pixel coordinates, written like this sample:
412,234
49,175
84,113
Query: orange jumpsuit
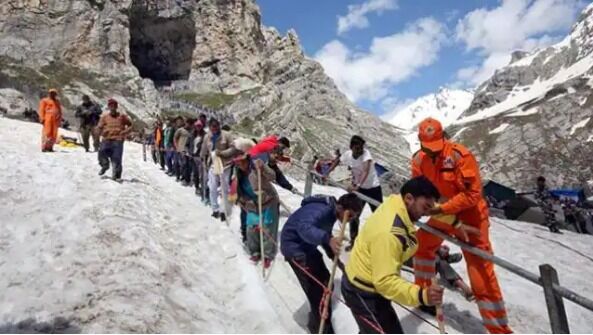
456,175
50,115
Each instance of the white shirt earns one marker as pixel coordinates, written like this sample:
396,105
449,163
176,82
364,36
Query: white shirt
357,166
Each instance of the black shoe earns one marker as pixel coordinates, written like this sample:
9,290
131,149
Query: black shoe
215,215
454,258
103,170
222,217
431,310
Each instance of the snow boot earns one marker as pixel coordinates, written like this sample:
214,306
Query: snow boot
215,215
255,258
103,170
222,217
267,263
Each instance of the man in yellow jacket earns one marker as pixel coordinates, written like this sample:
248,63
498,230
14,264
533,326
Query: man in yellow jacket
386,241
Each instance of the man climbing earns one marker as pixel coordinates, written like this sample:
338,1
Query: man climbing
89,113
159,147
388,239
169,133
181,140
463,212
113,127
218,152
545,201
50,115
307,228
364,177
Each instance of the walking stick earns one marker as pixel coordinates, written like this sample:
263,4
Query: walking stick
440,316
261,220
330,284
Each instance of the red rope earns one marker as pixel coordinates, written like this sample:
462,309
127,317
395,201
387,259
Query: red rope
326,291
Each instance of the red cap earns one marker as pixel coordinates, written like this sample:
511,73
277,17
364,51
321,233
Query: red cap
111,102
430,133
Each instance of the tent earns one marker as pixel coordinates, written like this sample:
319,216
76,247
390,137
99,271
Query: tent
380,169
517,206
498,191
577,194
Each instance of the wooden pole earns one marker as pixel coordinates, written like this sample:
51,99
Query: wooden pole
440,316
261,221
330,284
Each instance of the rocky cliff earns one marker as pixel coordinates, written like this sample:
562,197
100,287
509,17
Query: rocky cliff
213,53
534,116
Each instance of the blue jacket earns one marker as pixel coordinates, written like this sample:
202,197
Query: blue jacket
309,226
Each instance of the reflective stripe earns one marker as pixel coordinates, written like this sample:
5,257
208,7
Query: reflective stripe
424,274
424,262
496,322
491,306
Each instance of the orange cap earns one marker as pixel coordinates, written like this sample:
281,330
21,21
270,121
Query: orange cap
430,133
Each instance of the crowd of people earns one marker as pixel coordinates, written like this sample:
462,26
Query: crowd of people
226,170
242,171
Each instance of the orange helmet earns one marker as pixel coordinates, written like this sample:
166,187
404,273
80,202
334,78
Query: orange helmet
431,135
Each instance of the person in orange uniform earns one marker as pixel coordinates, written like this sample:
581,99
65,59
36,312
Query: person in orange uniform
453,169
50,115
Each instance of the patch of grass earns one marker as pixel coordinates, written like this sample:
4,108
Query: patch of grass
215,100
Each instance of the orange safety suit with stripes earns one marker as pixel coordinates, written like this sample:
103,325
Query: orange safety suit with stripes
455,173
50,115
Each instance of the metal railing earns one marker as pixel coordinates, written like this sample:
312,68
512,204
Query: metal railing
548,278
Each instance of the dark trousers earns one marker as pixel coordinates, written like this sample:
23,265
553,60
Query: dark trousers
370,310
374,193
86,132
154,153
169,157
184,167
161,156
112,151
243,225
196,166
314,264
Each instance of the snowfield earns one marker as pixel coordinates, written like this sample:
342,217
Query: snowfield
81,253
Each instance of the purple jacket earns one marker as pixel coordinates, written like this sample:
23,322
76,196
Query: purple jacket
309,226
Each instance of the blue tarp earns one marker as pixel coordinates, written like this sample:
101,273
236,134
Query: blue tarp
380,169
577,194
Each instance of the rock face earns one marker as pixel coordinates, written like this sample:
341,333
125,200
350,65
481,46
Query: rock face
534,116
211,52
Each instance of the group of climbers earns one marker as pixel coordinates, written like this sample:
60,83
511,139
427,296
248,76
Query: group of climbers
108,130
445,185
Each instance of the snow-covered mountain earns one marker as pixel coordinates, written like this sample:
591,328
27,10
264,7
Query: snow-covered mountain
534,116
82,254
445,105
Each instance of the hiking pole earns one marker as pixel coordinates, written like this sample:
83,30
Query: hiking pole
330,284
261,220
440,316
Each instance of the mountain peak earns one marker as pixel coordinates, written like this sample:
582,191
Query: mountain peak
445,105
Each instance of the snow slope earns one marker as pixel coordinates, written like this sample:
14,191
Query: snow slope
144,256
445,105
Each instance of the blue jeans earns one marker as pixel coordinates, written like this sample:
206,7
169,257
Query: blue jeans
113,151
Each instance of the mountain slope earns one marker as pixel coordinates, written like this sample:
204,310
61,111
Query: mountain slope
543,101
446,105
82,254
155,55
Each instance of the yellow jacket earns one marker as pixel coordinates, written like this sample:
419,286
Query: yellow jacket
386,241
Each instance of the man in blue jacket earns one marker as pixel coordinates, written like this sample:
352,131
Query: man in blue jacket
306,229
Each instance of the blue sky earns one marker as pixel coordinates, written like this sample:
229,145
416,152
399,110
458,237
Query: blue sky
385,53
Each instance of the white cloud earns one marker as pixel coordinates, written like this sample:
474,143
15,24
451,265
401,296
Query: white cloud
393,106
389,60
514,25
356,17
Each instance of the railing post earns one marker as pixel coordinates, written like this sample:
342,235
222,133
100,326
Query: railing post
554,302
308,185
